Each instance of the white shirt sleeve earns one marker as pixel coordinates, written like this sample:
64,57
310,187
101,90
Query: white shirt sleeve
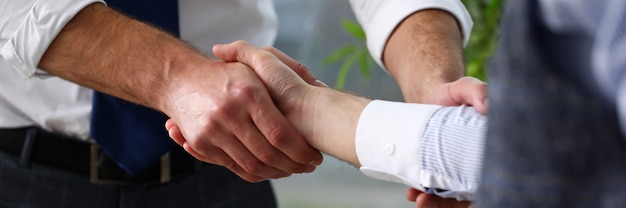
380,17
29,26
428,147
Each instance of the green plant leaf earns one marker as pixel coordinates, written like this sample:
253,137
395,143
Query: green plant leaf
338,54
354,29
343,71
364,63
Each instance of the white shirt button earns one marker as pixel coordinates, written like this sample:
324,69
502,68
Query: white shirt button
389,149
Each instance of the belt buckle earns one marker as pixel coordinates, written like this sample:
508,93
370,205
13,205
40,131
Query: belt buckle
165,170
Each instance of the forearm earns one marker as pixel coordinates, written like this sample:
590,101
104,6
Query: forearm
109,52
327,119
425,50
420,145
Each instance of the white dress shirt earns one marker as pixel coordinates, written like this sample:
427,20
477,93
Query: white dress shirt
29,97
380,17
27,27
26,98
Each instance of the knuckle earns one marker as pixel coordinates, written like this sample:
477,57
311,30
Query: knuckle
278,136
302,69
194,142
270,157
244,92
253,167
223,111
268,48
232,166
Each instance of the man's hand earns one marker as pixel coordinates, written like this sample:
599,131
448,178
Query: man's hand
225,116
464,91
326,118
423,200
302,98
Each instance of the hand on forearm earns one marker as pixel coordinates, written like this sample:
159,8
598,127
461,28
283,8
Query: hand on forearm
425,56
425,50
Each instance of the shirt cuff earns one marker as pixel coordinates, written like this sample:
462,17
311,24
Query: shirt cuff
387,140
379,19
28,39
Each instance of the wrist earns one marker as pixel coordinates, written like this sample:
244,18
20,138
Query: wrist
299,106
175,89
328,118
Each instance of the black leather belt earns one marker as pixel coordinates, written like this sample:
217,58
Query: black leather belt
34,145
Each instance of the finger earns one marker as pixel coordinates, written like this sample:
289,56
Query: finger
240,51
248,162
481,99
220,158
470,91
255,142
431,200
272,124
169,123
222,140
477,95
193,152
257,59
299,68
174,132
411,194
425,201
281,134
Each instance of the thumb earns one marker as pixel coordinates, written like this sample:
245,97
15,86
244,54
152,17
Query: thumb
296,66
174,132
240,51
276,76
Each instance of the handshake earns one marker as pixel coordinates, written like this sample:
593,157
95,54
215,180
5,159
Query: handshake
263,115
270,119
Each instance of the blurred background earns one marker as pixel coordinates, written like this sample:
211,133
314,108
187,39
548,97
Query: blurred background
310,32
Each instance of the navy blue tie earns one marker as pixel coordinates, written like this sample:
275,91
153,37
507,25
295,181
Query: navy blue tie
132,135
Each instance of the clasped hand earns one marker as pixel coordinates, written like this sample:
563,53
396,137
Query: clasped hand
222,114
288,83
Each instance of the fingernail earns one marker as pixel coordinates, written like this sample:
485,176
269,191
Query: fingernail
217,46
310,168
320,83
317,161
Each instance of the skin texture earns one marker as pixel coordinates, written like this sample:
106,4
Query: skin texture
424,54
432,201
223,110
325,117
